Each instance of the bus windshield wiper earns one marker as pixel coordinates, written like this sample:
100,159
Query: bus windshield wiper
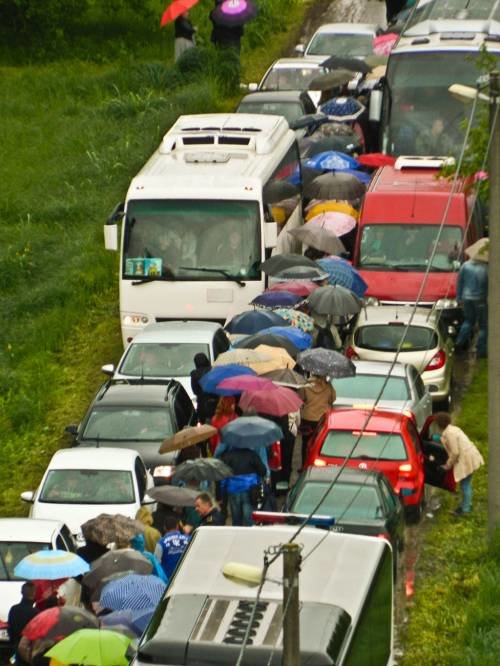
153,278
222,271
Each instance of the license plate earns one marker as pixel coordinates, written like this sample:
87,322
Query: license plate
4,635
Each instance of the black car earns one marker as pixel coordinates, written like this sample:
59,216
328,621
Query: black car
361,502
136,416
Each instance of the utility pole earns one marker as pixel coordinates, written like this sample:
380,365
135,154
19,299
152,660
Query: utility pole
494,313
291,634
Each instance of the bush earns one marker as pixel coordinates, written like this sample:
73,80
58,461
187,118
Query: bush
35,21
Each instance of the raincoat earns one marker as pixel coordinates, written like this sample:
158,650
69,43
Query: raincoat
463,456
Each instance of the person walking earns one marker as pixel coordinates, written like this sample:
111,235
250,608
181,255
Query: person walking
472,293
184,32
171,546
318,396
19,616
224,413
463,458
206,401
248,470
225,36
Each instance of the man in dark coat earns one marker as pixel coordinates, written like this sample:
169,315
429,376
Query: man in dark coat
248,470
20,614
225,36
206,401
207,510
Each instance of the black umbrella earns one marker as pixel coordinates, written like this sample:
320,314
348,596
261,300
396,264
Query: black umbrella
352,64
326,363
335,186
280,262
333,79
234,13
314,273
202,469
270,339
173,495
334,300
277,190
310,146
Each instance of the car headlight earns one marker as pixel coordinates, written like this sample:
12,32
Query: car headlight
446,303
372,300
135,320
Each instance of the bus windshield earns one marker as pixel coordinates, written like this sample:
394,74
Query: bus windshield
408,247
177,239
421,116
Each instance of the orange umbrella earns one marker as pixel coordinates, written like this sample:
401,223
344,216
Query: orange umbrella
175,9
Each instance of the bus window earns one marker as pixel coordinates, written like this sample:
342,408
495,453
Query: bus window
371,642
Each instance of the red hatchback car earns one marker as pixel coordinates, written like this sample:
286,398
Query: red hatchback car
388,442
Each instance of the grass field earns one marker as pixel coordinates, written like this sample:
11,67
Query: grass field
73,133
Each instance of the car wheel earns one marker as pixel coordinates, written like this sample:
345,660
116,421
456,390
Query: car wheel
414,513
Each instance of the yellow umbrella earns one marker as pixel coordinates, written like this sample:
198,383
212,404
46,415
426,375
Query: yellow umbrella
278,359
241,357
332,205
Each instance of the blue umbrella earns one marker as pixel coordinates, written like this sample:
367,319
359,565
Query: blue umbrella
141,618
250,432
214,376
253,321
132,592
50,565
277,299
129,622
332,160
341,272
342,108
297,337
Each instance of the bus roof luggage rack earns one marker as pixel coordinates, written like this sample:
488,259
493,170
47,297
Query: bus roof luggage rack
422,162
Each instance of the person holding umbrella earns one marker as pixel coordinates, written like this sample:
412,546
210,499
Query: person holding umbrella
224,34
206,401
184,35
248,471
318,396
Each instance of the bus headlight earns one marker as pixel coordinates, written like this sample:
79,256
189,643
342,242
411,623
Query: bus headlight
135,320
446,303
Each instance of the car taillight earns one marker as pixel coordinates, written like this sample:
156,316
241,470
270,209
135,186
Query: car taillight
350,353
437,361
319,463
383,535
406,469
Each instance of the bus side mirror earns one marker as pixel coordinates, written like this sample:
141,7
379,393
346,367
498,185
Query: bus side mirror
270,234
111,227
375,106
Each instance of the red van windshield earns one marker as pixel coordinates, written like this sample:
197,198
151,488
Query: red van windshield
408,247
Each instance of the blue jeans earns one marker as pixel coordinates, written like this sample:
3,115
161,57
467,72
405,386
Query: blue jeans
241,508
474,312
466,488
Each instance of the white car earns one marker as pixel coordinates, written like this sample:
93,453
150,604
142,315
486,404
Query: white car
379,330
403,391
20,537
81,483
347,40
166,350
292,74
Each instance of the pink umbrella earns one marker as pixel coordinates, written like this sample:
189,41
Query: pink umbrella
240,383
338,223
383,44
278,402
297,287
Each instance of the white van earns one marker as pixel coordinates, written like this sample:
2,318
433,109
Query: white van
345,592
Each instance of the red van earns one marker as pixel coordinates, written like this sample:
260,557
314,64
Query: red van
398,226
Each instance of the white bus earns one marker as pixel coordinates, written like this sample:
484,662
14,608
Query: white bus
431,55
345,595
198,218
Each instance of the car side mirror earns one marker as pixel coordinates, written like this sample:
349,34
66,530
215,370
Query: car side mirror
71,430
300,49
270,234
108,369
28,496
253,87
147,500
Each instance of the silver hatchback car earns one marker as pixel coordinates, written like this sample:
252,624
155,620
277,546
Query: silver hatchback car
380,330
404,390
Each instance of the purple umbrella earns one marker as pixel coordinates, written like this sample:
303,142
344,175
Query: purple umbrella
277,299
235,385
233,13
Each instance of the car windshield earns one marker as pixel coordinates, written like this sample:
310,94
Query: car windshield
291,78
88,486
12,552
371,445
392,336
347,501
192,240
121,424
346,45
408,247
290,110
162,359
368,387
421,117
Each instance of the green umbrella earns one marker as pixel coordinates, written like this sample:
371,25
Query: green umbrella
92,647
